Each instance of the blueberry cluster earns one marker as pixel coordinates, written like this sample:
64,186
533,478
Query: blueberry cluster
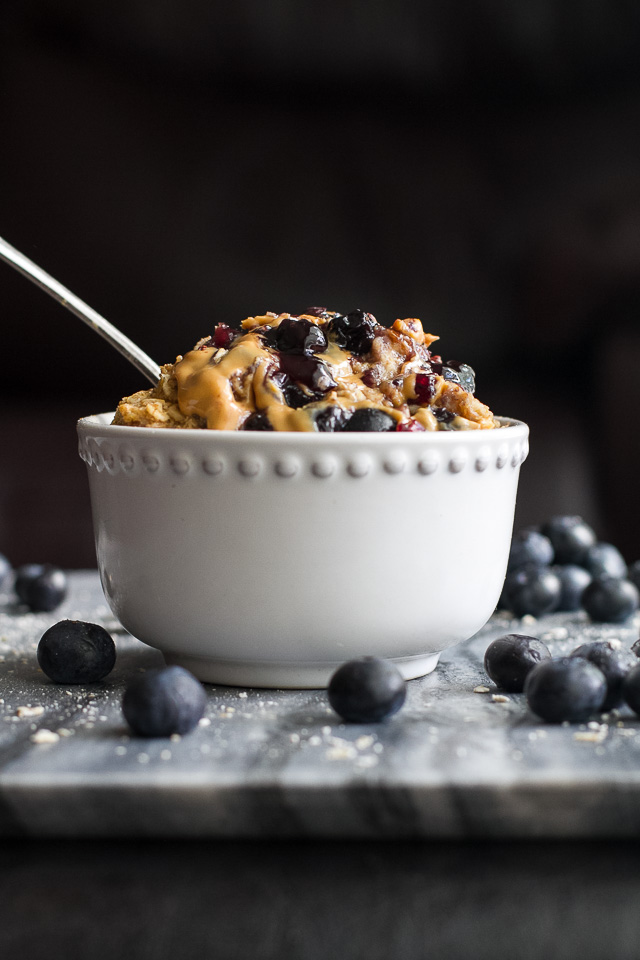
561,566
596,677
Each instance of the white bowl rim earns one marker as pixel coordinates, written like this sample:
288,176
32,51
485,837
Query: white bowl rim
102,421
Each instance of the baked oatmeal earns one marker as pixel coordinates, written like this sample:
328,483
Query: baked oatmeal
315,371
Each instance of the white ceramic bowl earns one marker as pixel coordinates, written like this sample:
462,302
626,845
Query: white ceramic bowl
268,559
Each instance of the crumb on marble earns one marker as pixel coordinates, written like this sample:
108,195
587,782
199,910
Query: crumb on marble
44,736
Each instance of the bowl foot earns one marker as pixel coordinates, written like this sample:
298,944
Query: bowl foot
283,674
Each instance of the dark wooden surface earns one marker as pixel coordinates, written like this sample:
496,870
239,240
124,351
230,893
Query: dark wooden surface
315,900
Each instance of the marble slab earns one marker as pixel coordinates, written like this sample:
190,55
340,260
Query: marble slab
453,763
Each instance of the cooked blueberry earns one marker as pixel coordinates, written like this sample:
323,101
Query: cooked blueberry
425,387
162,702
257,421
309,371
466,374
571,538
330,419
604,560
369,420
610,600
367,690
631,689
355,331
570,688
73,651
5,570
614,663
299,336
320,312
223,335
410,426
529,546
42,587
443,415
573,582
509,659
531,590
295,396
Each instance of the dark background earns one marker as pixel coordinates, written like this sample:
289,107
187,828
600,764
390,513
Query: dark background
180,164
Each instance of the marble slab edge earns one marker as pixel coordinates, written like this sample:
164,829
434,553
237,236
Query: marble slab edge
534,811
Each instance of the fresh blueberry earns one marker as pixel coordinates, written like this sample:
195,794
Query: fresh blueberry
367,690
573,582
571,538
355,331
610,600
570,688
330,419
634,573
42,587
531,590
5,570
604,560
466,374
369,420
72,651
298,336
631,689
162,702
529,546
509,659
614,663
635,648
257,421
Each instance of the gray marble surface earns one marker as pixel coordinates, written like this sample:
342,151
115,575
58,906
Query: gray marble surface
453,763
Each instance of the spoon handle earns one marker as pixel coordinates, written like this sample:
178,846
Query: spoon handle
127,348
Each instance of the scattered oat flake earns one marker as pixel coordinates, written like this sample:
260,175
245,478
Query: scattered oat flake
64,732
204,722
44,736
500,698
30,711
363,742
481,689
243,694
590,736
341,753
528,618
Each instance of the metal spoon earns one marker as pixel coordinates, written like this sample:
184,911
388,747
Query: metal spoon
127,348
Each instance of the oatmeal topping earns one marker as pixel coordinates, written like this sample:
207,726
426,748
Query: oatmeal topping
311,372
